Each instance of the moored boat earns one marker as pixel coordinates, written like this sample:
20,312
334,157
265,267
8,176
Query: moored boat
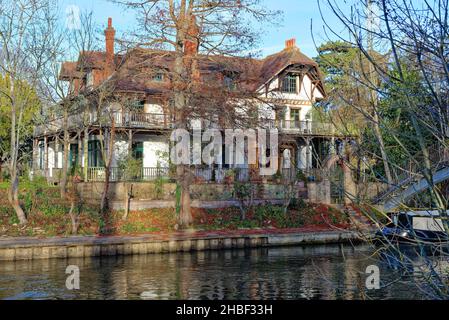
424,227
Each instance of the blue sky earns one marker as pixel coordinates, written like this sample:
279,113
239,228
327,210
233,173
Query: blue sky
297,17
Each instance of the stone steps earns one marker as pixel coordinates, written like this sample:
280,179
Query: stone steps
359,221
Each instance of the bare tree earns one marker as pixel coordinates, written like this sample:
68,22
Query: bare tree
107,134
410,106
61,83
24,51
193,28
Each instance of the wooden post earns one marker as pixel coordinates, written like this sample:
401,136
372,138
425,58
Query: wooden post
57,152
308,154
86,155
35,155
56,163
80,147
46,157
130,142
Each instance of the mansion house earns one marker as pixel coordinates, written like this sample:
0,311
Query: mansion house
288,82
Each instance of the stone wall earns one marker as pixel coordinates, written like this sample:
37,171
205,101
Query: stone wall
202,192
319,192
117,191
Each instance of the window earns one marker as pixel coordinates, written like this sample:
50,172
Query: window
294,114
295,118
158,77
289,84
139,105
137,150
229,83
95,158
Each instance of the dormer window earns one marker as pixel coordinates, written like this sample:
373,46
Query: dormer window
289,84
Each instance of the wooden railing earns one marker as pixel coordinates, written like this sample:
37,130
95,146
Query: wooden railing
128,119
55,125
122,120
300,127
142,120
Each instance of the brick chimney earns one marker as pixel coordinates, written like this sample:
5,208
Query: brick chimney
290,43
191,45
109,34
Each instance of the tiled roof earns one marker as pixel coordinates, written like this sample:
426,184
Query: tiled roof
95,60
133,70
68,71
275,63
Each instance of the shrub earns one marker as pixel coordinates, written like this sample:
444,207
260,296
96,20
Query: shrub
298,204
159,184
277,216
13,219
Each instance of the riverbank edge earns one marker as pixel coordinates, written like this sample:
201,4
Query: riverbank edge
15,249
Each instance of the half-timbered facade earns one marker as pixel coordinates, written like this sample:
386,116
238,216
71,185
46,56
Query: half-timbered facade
286,84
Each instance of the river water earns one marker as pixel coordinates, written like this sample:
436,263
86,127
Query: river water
309,272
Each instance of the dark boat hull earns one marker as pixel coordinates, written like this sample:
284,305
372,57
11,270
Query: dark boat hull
431,242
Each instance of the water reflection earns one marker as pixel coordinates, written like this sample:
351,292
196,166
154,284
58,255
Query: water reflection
427,267
310,272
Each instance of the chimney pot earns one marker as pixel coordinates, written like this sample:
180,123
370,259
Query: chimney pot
290,43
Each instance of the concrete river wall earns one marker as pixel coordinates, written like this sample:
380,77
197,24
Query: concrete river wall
12,249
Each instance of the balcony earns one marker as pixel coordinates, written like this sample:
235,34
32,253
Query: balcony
296,127
136,120
142,120
131,120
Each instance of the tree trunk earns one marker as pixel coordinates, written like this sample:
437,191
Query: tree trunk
128,196
73,218
13,196
86,155
46,172
1,173
74,211
65,161
185,215
105,195
104,206
182,74
288,195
